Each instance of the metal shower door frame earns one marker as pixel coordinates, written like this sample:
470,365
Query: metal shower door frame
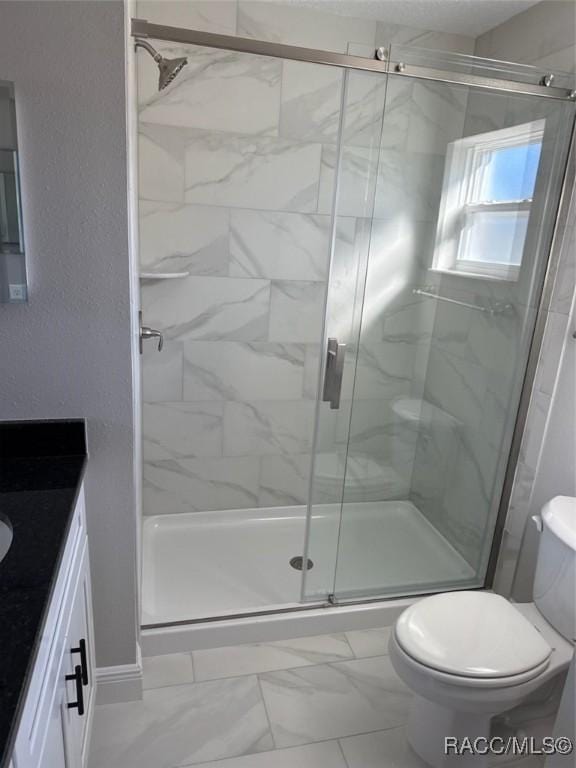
143,29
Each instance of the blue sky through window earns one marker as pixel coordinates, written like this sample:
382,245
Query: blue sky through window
511,173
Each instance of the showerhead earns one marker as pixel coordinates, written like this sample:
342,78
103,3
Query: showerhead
169,68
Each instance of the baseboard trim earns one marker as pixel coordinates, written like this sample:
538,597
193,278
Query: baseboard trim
121,683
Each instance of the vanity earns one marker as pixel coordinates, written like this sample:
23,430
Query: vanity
47,666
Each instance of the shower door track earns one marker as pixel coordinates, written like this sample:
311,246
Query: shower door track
380,63
328,604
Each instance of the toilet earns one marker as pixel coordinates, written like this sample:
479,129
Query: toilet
468,656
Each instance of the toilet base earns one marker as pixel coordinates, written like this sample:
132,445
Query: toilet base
430,724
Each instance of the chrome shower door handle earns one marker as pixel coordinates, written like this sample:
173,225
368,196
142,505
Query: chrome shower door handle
334,370
151,333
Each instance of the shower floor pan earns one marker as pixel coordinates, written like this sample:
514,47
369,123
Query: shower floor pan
199,565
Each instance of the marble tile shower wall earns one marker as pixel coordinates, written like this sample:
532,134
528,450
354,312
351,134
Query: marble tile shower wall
420,121
236,178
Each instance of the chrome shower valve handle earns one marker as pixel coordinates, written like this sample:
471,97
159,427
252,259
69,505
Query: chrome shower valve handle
151,333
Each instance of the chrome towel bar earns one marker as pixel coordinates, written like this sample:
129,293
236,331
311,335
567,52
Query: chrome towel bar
498,309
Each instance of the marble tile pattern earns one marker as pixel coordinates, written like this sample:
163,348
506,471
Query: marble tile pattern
237,167
249,659
212,91
369,642
279,246
171,486
329,701
281,703
299,701
182,725
323,755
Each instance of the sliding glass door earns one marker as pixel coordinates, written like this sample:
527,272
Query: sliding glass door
444,278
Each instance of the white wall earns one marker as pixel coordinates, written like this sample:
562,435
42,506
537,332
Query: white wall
68,351
555,469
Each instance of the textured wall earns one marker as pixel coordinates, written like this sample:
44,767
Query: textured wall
67,352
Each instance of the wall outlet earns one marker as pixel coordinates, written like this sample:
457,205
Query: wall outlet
17,292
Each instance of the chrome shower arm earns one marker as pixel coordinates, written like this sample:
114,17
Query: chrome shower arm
139,43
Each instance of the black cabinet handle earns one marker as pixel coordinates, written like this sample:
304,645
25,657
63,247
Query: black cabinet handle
83,660
77,677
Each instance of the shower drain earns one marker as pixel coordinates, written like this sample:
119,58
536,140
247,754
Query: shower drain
298,563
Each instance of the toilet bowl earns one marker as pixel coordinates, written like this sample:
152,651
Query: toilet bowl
468,656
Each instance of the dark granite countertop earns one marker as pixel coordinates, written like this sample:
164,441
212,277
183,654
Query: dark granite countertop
41,468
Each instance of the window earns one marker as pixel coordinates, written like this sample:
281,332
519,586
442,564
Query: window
489,182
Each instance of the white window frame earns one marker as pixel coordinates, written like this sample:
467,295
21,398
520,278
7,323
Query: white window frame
462,178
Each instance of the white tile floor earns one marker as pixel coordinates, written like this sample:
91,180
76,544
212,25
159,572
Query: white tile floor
331,701
286,704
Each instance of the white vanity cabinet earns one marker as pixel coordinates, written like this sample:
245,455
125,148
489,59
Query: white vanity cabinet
54,728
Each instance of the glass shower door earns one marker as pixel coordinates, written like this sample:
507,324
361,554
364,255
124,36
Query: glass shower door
464,190
356,164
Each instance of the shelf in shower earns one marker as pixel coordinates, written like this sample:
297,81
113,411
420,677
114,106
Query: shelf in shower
163,275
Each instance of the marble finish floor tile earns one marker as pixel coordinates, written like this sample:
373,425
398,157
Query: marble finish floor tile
384,749
264,657
170,669
369,642
182,725
327,754
334,700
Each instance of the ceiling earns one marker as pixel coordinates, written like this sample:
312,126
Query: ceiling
464,17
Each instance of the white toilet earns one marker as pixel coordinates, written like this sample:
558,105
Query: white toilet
470,655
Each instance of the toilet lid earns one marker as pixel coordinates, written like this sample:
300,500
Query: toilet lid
471,634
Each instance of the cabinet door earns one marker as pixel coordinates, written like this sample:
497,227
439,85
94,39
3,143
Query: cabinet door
80,652
56,750
54,754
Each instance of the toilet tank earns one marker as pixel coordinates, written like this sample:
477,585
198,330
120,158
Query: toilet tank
555,580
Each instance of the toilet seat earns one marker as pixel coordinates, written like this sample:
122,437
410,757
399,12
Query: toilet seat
478,684
472,638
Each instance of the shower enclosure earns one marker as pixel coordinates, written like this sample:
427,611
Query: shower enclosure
347,289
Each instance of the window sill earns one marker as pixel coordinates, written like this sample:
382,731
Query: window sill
472,275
